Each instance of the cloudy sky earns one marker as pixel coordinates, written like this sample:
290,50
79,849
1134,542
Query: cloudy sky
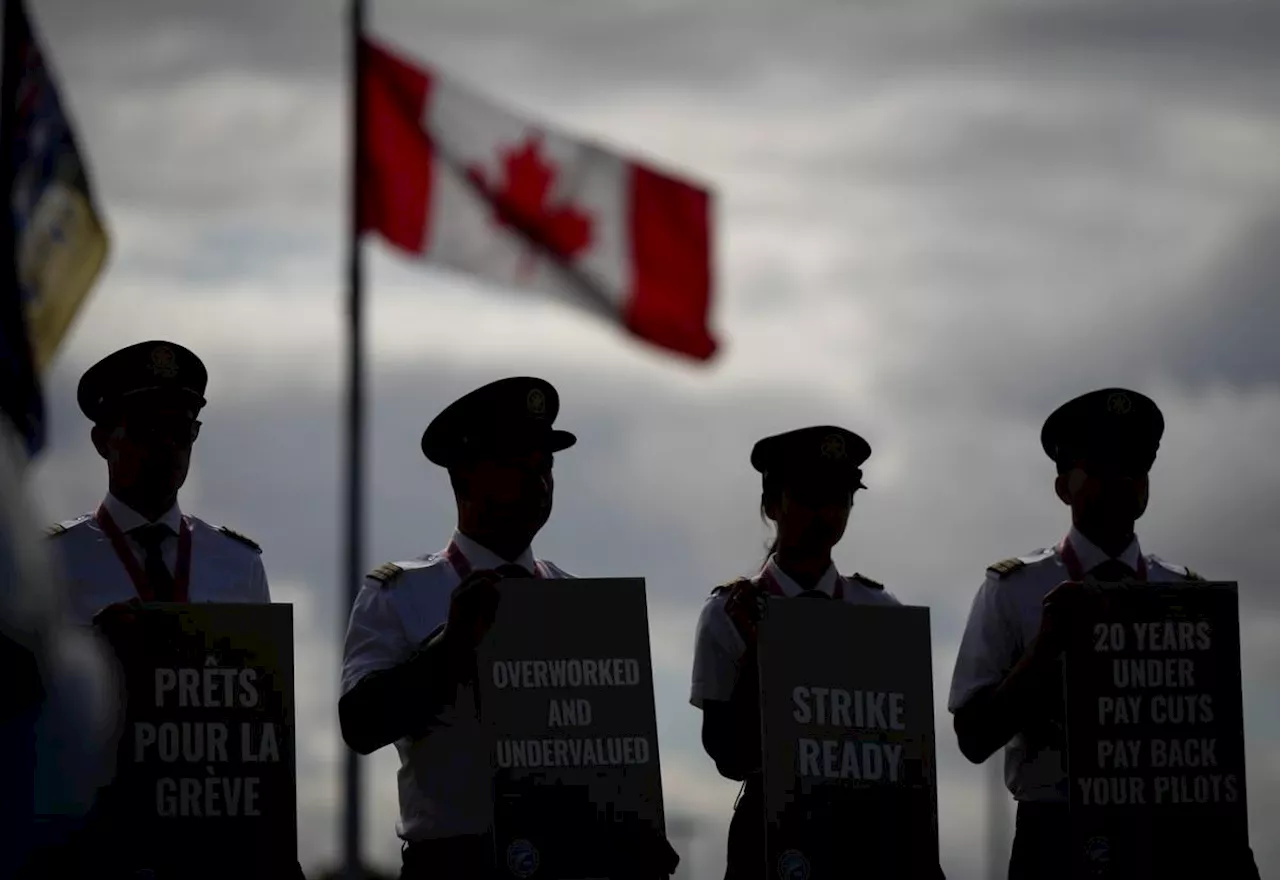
936,221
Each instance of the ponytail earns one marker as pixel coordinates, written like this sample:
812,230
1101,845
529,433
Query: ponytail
773,548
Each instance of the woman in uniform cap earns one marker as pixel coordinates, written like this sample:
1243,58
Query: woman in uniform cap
810,477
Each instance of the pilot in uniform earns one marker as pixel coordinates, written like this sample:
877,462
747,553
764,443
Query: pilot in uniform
1006,688
408,673
809,480
138,544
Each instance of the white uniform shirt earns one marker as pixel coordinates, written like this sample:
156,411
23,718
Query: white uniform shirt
445,777
1003,621
718,646
225,566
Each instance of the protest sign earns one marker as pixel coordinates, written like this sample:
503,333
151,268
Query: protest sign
846,705
1155,742
205,767
566,691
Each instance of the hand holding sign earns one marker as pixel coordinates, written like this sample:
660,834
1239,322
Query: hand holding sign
650,855
121,624
472,606
118,614
1064,603
745,606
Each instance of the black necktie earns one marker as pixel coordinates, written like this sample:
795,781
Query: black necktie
511,570
151,538
1111,571
812,594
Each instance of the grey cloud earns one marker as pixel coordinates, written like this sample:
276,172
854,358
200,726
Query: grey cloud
714,42
1186,27
1226,330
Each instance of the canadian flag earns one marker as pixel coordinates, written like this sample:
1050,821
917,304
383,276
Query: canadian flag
450,177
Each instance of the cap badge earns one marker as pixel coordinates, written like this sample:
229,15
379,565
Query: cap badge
163,363
833,447
536,402
1119,404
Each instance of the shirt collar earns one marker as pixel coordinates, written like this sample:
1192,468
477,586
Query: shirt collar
129,519
482,557
826,583
1091,556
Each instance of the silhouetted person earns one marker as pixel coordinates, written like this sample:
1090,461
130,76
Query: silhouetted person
59,703
409,665
1006,690
139,546
810,477
144,401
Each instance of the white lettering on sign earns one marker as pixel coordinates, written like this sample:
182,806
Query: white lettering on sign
1119,710
1179,753
1173,635
598,752
1113,791
838,707
263,748
1184,709
206,687
1204,789
210,797
1154,691
201,742
1119,753
528,674
849,759
569,713
1150,672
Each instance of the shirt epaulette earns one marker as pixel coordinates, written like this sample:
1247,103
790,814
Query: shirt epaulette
1006,567
720,588
243,539
1183,570
867,582
62,527
385,573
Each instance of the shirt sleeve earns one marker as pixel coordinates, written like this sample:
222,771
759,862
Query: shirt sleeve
375,637
258,581
989,647
554,570
716,651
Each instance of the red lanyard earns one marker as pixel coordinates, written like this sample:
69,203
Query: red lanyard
771,584
1076,571
463,567
181,577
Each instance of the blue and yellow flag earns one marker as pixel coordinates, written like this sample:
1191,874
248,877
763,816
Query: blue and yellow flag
54,245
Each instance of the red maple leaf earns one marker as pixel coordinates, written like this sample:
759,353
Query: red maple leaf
522,203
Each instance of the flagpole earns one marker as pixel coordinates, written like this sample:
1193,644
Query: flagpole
997,817
353,863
